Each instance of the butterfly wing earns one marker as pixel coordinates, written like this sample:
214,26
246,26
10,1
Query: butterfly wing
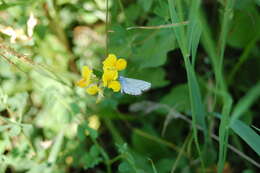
133,86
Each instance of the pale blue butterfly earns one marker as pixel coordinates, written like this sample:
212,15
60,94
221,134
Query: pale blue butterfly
133,86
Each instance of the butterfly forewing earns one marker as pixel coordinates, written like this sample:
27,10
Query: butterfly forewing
133,86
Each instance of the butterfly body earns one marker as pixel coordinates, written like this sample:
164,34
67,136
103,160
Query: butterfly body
133,86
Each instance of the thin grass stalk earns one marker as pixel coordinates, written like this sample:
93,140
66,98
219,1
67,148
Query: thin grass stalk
226,98
192,81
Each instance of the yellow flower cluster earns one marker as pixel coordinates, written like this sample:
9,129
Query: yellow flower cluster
111,66
87,77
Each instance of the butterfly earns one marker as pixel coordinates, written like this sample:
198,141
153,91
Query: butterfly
133,86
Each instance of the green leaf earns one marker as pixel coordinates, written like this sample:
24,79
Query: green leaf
92,158
178,97
152,51
133,11
75,108
120,41
41,30
162,10
128,159
145,145
93,133
81,132
241,24
247,134
145,4
125,167
156,76
94,151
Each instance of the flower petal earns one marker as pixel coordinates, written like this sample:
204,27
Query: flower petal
114,85
86,72
82,83
109,75
92,90
121,64
110,61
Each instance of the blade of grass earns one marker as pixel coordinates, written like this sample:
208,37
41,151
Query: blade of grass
245,102
246,133
198,114
174,166
217,62
194,32
194,40
194,29
256,128
179,31
153,166
224,133
226,98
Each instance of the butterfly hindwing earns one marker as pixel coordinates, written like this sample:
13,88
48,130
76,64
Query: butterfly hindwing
131,90
133,86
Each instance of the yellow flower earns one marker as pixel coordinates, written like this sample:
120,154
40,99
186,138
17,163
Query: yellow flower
109,75
121,64
82,83
86,72
86,75
94,122
111,63
114,85
93,90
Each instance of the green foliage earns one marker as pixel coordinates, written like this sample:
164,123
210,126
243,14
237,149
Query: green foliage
201,114
178,97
